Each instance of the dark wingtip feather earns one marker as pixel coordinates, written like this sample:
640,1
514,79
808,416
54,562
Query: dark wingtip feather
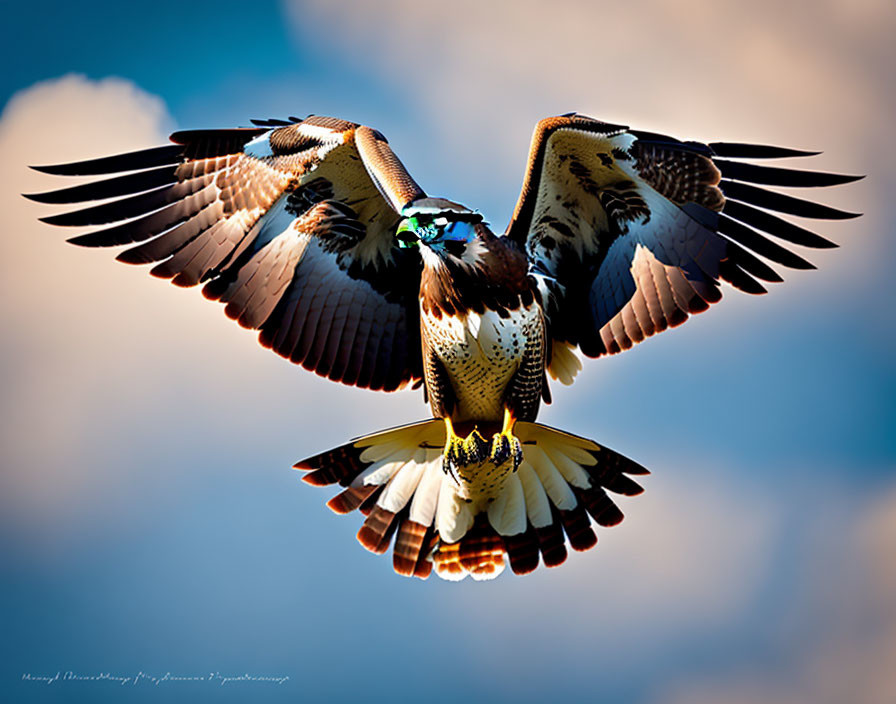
87,240
47,197
633,467
64,220
214,290
752,265
270,122
132,256
740,150
761,245
350,499
781,202
313,479
130,161
740,279
773,225
625,486
774,176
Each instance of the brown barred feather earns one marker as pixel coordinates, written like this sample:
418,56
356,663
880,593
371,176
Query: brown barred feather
341,465
522,550
551,544
643,318
377,531
681,176
630,323
617,483
409,544
387,168
446,559
672,314
578,528
481,549
350,499
423,568
599,506
623,202
424,565
499,283
370,502
199,211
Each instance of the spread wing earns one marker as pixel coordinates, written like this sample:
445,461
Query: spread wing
628,233
291,224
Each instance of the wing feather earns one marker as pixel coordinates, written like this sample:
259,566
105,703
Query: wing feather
631,232
290,224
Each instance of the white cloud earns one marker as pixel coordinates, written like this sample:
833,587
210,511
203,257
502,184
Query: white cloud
46,286
848,646
803,74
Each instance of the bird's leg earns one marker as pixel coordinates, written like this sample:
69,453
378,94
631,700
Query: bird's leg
505,445
461,452
454,447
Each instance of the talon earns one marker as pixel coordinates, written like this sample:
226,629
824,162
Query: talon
475,447
500,449
454,453
505,445
460,453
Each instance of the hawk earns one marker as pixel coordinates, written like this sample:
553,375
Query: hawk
313,233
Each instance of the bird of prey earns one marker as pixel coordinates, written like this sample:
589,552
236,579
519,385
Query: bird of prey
313,232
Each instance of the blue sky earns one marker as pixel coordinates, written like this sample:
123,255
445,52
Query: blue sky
150,521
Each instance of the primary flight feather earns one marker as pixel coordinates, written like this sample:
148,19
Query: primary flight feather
313,232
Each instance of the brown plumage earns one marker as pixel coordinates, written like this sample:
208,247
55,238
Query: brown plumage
313,233
499,282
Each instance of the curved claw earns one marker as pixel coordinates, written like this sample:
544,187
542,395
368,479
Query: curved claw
460,452
505,446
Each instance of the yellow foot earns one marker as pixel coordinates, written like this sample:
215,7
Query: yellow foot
460,452
505,447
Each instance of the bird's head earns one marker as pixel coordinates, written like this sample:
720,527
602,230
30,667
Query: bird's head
443,230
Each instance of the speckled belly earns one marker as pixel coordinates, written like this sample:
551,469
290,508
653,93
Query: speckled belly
480,354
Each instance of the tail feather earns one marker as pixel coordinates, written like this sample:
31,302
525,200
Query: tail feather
331,467
538,505
371,501
551,543
395,478
350,499
424,561
409,544
578,528
446,560
376,533
481,552
558,491
507,513
426,498
601,507
522,550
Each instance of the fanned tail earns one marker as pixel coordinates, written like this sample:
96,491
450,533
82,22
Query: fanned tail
395,478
